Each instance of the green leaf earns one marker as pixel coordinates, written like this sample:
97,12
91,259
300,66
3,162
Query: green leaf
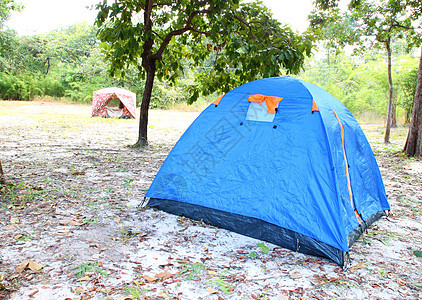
252,254
264,248
222,284
196,267
417,253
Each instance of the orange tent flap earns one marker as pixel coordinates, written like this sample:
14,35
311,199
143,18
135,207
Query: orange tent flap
218,100
314,106
271,101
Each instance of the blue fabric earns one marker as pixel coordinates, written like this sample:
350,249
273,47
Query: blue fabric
289,172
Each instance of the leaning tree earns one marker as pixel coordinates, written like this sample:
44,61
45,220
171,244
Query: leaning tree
161,38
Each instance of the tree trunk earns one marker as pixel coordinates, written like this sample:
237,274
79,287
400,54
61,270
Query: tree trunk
146,99
390,94
413,146
328,56
149,65
407,116
2,179
394,113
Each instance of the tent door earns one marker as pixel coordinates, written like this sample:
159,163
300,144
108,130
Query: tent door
349,185
114,112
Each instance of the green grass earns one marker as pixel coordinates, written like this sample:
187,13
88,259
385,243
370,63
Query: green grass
89,267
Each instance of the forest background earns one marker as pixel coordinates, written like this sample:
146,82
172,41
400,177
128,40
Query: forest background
67,64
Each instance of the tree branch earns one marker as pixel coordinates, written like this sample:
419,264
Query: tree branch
199,31
148,28
167,39
396,24
247,25
160,37
162,4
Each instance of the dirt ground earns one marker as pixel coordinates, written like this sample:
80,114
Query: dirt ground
71,228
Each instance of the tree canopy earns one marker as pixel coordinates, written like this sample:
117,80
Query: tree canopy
6,40
6,9
400,20
373,23
162,39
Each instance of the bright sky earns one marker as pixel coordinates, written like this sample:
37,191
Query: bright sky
42,16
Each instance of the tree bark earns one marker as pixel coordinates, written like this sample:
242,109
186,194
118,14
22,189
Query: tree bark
148,64
413,146
2,179
394,113
408,116
47,61
146,99
390,94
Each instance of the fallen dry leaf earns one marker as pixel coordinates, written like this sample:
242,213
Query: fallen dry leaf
85,278
10,227
162,294
75,223
360,265
401,282
294,276
69,221
78,173
65,221
30,265
33,293
211,290
150,279
141,236
164,275
212,273
14,220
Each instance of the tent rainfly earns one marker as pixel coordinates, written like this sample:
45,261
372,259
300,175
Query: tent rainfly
100,99
280,160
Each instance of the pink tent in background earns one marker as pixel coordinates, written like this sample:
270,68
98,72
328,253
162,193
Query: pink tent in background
127,107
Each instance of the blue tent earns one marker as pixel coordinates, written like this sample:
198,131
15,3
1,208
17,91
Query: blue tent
278,159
